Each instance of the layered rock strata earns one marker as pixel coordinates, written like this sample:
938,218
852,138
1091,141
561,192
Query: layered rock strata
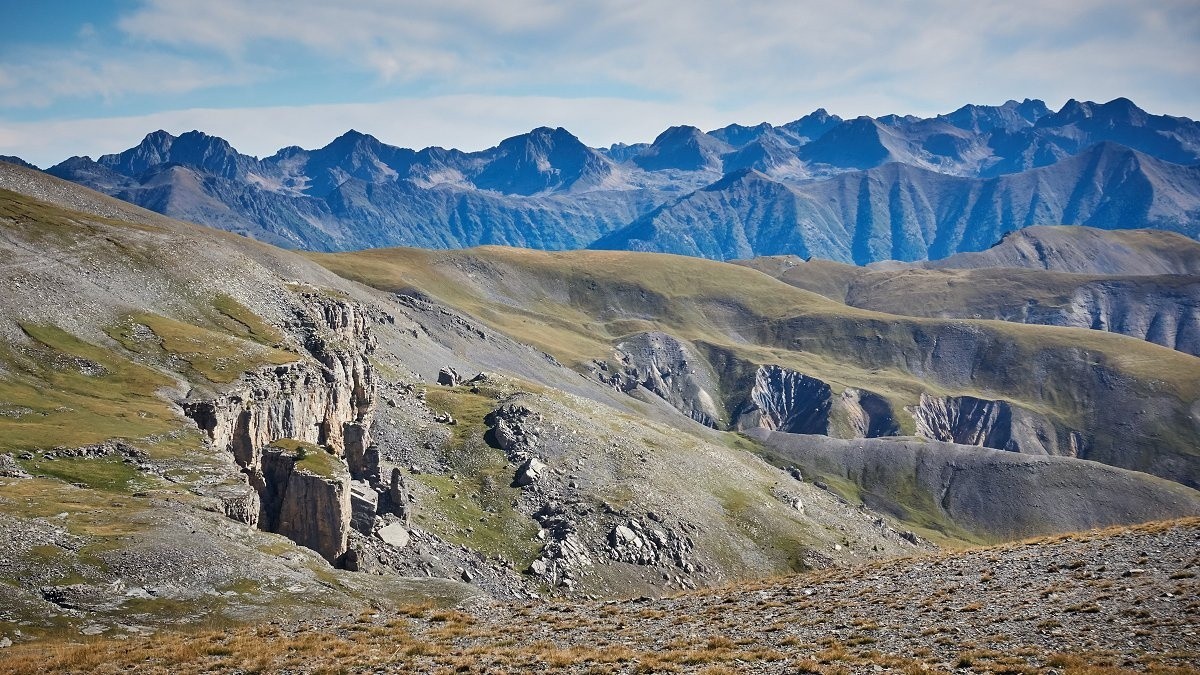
326,399
792,402
667,368
967,420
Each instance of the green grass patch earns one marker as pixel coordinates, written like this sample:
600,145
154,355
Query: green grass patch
313,458
61,391
245,323
193,350
484,487
109,474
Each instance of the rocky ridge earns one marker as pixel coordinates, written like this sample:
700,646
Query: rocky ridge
861,190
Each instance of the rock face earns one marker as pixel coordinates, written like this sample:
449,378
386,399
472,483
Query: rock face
311,509
862,414
788,401
791,402
667,368
326,400
966,420
313,402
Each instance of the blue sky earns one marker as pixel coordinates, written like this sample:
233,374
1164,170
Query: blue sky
91,77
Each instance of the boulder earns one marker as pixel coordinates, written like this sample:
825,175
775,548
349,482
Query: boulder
449,377
529,472
395,535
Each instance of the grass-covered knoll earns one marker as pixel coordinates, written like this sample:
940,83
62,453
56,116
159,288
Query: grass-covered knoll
312,458
575,305
58,390
214,356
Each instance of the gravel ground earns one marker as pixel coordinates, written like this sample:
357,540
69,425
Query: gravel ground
1112,601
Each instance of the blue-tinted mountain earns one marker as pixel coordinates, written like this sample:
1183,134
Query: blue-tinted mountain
683,148
859,190
1010,117
540,161
902,212
12,159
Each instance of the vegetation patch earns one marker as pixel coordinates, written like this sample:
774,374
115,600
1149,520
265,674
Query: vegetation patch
61,391
312,458
475,508
244,323
110,474
195,351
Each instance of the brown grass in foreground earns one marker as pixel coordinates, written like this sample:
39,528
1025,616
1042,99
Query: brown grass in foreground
1063,615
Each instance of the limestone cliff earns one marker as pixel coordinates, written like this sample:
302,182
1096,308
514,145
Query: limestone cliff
326,399
306,498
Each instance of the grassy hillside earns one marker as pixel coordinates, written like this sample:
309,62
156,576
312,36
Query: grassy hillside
577,305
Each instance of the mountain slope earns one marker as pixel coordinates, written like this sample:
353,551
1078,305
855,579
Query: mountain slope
861,190
898,212
579,306
1141,283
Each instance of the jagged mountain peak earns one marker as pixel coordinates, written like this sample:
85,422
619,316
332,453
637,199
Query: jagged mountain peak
1011,116
738,135
1119,111
684,148
539,161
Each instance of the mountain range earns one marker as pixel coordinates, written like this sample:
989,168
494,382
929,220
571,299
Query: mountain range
201,429
856,190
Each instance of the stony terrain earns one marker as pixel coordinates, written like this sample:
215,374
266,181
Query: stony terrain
1114,601
202,429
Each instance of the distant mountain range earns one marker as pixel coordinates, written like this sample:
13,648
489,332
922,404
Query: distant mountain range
859,190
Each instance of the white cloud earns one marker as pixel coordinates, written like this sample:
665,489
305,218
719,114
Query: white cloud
712,51
493,69
45,77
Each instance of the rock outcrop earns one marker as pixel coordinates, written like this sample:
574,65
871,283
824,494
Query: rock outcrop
309,505
857,413
667,368
966,420
792,402
788,401
325,400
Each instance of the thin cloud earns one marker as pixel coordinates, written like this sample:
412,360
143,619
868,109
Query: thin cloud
708,62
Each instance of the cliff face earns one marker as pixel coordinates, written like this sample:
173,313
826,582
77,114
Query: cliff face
966,420
785,400
668,368
327,400
310,507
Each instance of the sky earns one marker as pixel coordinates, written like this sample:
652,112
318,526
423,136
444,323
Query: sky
89,77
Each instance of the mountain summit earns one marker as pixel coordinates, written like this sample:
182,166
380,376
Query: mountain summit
858,190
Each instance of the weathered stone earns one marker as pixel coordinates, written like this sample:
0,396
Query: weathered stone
395,534
967,420
311,510
449,377
364,504
529,472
